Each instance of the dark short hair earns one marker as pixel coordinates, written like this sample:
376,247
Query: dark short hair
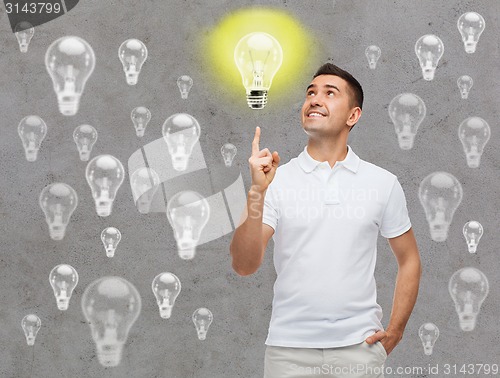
354,86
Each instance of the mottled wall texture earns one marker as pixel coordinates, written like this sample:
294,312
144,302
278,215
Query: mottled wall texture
338,31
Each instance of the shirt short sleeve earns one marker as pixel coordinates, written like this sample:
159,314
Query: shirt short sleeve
270,212
395,220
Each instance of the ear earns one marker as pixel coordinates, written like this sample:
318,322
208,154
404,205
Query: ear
354,116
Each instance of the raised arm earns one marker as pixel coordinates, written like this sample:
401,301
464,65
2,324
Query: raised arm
251,236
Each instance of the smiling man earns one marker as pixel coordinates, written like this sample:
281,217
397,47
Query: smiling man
324,210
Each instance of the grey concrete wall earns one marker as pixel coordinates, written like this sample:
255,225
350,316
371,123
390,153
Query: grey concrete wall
241,305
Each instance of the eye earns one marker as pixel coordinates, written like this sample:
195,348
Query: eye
330,93
310,93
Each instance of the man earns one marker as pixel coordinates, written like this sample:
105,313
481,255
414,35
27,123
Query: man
324,210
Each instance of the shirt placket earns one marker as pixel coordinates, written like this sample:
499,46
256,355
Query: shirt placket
332,188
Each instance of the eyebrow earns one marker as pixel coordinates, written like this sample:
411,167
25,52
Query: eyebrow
326,86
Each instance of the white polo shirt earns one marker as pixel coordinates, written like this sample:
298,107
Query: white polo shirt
326,223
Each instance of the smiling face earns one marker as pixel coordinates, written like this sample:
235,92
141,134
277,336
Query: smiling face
329,108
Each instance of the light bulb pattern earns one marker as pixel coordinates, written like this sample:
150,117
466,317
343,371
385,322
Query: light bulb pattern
228,152
258,57
202,318
145,183
31,325
440,194
132,53
32,131
465,83
373,54
105,175
63,279
468,288
429,49
474,133
473,231
470,25
407,111
69,61
85,137
140,118
24,33
185,83
428,333
188,213
166,288
181,132
111,305
58,202
110,237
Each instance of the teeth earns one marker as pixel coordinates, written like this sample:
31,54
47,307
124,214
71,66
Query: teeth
315,115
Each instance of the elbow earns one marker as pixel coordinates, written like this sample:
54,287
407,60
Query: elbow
242,272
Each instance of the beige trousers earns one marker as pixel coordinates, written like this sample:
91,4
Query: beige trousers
353,361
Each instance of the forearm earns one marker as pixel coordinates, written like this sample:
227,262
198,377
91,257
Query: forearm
246,245
405,294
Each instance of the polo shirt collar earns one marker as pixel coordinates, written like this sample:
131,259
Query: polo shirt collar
308,164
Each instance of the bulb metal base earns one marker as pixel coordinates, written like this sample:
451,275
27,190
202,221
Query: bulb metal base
428,74
165,312
69,107
470,47
132,78
31,155
257,99
103,209
187,254
62,304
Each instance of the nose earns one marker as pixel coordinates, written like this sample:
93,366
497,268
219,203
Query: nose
316,101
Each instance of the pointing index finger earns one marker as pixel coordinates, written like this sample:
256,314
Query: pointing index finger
255,142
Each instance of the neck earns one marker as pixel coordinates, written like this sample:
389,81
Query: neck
327,150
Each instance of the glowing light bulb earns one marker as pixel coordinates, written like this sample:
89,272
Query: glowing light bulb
429,49
440,194
373,54
428,333
474,133
258,57
31,325
32,131
166,288
473,231
184,83
85,137
110,237
63,279
228,151
407,111
132,53
188,213
468,288
181,132
202,318
111,305
70,61
58,201
105,175
24,33
470,25
145,183
140,118
464,83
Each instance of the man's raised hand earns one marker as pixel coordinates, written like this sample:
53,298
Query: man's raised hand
262,163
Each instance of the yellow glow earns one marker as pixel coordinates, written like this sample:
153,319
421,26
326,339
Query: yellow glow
299,52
